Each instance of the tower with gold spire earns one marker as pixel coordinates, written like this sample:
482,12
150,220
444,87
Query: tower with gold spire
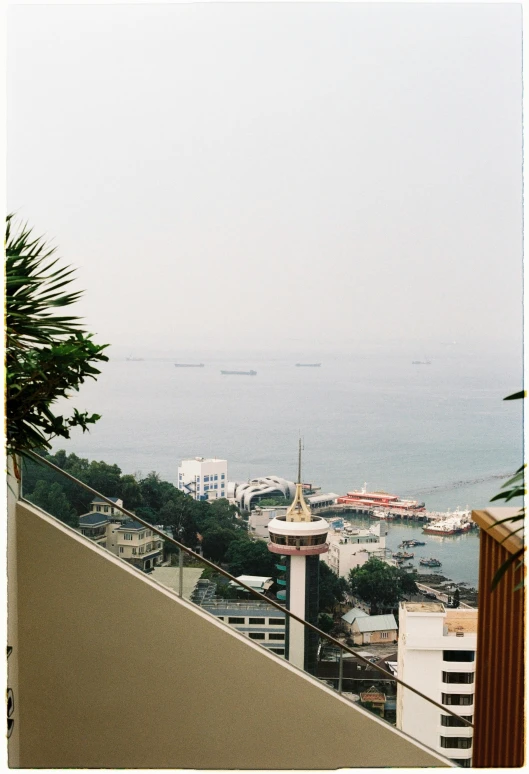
300,537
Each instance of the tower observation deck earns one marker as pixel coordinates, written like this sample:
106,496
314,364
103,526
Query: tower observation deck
300,537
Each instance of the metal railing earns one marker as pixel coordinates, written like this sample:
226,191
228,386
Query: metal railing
270,602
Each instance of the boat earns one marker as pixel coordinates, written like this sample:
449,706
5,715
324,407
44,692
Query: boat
189,365
402,555
308,365
134,359
240,373
431,562
454,524
421,362
380,501
408,566
411,543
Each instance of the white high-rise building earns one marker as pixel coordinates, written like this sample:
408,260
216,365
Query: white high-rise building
203,479
437,655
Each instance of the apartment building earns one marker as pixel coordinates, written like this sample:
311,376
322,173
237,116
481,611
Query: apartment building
353,547
437,655
256,620
203,478
259,519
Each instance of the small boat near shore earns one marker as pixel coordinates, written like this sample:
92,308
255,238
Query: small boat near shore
411,543
431,562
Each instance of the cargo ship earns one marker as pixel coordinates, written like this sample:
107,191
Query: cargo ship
189,365
240,373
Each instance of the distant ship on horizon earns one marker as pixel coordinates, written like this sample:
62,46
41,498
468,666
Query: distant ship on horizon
308,365
240,373
421,362
132,359
189,365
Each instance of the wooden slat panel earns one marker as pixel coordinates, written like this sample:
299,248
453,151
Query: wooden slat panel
499,701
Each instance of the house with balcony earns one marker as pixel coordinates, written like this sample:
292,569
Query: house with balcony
94,525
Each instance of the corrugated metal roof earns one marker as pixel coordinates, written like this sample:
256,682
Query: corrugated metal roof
376,623
356,612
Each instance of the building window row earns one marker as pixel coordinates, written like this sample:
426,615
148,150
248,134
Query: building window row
450,721
458,677
465,763
457,699
255,621
293,540
458,742
459,655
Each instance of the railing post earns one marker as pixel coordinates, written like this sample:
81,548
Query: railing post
340,673
180,572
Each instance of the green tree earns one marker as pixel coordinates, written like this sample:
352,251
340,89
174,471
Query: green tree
250,557
48,354
455,599
380,585
332,588
325,622
215,543
51,498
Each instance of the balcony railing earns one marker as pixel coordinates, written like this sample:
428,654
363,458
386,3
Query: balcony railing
349,686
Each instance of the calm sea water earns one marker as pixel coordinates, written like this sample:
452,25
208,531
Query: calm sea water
438,432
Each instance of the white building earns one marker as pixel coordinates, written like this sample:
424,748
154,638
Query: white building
437,655
247,494
203,479
259,519
256,620
352,547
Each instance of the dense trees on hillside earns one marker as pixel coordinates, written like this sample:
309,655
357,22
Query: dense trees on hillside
381,585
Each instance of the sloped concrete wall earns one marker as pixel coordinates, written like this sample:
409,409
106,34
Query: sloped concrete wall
116,672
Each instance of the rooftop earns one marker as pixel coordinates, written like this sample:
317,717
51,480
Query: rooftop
91,519
376,623
355,612
100,500
461,621
130,524
424,607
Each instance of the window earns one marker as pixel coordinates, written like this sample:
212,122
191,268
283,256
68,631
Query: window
459,655
105,508
198,478
127,536
206,478
458,677
233,620
121,549
142,536
220,617
457,699
451,722
133,550
384,635
180,475
222,485
460,742
276,621
98,508
465,763
276,636
222,476
256,636
215,486
206,487
279,651
256,621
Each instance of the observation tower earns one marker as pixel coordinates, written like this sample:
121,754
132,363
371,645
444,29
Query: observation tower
300,537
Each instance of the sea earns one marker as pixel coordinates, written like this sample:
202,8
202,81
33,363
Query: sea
438,432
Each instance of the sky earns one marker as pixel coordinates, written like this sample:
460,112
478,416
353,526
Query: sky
274,176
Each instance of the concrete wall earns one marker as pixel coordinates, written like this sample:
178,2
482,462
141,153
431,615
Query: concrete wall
115,671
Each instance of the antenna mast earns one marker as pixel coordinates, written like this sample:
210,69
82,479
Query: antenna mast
299,463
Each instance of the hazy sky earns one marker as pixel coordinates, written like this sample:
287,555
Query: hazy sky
275,175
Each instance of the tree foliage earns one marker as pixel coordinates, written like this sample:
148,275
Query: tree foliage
332,588
380,585
48,354
250,557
